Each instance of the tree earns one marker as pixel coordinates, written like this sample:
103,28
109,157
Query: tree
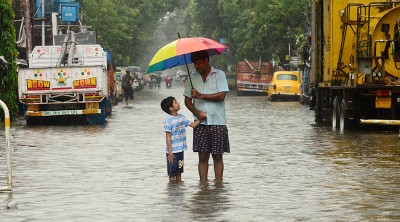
8,55
253,28
281,22
125,27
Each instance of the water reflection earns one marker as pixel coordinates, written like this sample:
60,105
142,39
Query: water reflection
7,201
176,201
364,169
210,201
281,168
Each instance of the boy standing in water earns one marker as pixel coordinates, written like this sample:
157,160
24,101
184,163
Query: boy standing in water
175,131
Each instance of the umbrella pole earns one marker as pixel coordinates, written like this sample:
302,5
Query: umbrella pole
187,67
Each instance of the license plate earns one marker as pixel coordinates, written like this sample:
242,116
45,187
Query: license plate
383,102
286,88
92,105
91,111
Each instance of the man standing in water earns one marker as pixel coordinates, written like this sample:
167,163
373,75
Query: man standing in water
206,101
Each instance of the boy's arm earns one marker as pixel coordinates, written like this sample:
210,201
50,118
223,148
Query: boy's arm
199,114
195,124
169,145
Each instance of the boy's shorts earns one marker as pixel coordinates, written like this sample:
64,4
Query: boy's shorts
176,166
211,139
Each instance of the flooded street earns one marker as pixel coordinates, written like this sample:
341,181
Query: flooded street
281,168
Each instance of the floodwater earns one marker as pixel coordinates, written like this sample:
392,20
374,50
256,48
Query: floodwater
281,168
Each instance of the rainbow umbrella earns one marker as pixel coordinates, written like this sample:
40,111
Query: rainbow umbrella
177,53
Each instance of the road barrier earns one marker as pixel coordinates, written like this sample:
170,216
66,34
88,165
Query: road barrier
9,149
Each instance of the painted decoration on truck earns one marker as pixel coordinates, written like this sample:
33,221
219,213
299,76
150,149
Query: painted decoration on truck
87,81
61,78
36,83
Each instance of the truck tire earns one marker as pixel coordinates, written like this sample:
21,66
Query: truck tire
318,107
109,106
30,120
343,115
335,113
115,99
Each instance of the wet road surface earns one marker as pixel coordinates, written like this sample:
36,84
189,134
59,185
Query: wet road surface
281,168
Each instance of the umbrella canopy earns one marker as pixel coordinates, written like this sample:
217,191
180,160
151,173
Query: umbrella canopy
178,52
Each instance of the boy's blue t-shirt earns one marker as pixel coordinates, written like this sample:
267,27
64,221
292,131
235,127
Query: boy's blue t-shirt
176,125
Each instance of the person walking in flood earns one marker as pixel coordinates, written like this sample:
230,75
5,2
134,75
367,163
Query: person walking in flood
127,81
175,131
207,95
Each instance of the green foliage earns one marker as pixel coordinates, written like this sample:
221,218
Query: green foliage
254,28
125,27
8,69
134,29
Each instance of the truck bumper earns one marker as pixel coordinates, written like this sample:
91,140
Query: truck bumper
252,89
63,112
380,122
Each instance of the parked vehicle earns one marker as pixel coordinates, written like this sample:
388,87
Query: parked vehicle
135,85
118,87
355,63
253,77
67,90
152,83
285,85
72,78
231,79
138,77
154,80
111,68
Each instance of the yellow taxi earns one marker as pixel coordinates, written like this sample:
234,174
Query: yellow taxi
285,85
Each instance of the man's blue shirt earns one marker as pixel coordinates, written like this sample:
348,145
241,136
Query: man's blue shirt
215,82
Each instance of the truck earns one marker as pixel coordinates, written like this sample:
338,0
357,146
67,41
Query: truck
70,78
355,63
253,77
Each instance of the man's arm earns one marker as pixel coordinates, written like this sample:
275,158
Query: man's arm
199,114
219,96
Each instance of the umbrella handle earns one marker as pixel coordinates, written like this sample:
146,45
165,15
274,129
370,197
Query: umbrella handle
187,67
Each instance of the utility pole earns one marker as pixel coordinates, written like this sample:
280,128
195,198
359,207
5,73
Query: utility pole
28,28
43,23
289,57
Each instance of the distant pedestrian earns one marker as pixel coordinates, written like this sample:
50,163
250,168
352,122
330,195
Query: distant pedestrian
175,131
158,82
127,81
